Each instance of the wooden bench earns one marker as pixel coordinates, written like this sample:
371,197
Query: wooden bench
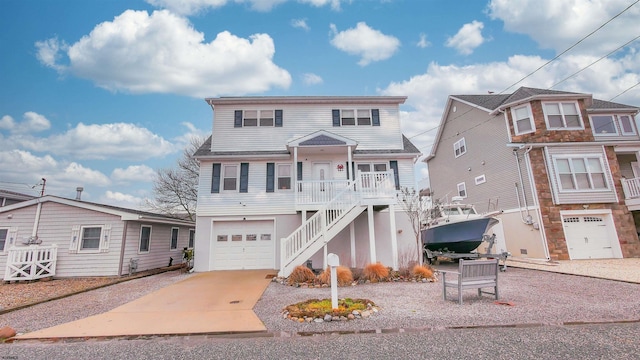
472,274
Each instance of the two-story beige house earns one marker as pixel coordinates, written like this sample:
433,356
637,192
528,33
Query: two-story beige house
562,166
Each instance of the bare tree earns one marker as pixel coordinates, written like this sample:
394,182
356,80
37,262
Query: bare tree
175,190
412,204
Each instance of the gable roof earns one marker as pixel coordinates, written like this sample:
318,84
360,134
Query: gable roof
494,103
6,194
124,213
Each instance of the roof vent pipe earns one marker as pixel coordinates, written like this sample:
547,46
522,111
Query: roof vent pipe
79,193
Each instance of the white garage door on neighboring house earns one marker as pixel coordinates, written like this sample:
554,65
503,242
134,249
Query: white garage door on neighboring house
590,236
243,244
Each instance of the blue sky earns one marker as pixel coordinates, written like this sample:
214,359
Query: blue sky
99,94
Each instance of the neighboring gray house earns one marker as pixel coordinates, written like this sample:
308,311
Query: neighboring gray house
288,179
563,166
87,239
9,197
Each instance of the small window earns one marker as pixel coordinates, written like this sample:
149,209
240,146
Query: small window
462,190
230,177
236,237
192,238
603,125
284,176
522,120
562,116
90,238
145,239
252,237
250,118
265,237
364,117
626,124
364,167
222,238
480,179
266,117
459,148
348,117
174,238
3,239
380,167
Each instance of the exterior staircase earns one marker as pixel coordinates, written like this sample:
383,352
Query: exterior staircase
334,216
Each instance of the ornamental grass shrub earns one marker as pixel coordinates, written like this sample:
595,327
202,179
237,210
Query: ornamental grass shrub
375,272
301,274
345,277
422,272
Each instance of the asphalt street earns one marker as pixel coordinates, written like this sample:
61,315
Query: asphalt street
599,341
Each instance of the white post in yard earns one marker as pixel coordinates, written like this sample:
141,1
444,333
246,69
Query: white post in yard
334,261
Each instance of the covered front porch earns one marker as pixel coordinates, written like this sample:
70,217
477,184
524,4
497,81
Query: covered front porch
630,171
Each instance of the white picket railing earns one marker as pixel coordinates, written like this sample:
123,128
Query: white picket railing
316,192
631,188
366,185
31,263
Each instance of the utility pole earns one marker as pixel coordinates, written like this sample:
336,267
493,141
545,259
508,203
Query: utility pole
44,182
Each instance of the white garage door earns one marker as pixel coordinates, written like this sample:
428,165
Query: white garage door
243,245
588,237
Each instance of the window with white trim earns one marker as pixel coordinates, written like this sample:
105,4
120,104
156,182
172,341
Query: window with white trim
580,173
480,179
357,117
284,176
462,190
459,148
174,238
192,238
230,177
523,120
562,115
90,238
377,167
145,239
609,124
4,235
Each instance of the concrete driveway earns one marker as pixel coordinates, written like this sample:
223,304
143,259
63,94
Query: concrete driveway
211,302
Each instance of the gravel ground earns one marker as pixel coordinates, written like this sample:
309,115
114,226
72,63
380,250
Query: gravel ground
538,298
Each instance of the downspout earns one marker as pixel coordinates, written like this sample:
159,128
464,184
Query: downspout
36,222
122,247
528,219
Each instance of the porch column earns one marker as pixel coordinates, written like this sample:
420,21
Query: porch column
295,170
325,261
394,239
349,163
352,236
372,235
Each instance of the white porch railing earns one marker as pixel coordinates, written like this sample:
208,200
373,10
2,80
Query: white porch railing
326,222
318,191
631,188
31,263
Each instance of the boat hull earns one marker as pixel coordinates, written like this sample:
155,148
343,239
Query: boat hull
460,237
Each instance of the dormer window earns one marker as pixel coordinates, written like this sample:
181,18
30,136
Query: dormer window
562,116
611,125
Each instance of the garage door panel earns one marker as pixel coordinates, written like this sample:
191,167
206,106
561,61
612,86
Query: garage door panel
588,237
245,244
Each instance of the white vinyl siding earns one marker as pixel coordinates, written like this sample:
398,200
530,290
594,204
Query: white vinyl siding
459,147
580,175
523,120
562,116
300,120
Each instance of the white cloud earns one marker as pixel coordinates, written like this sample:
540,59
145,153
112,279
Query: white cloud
190,7
468,38
119,140
163,53
32,122
300,23
75,172
559,24
133,173
120,199
48,52
423,43
311,79
370,44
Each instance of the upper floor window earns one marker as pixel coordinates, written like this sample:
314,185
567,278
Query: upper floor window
459,147
284,176
230,177
581,173
607,125
462,190
356,117
253,118
563,115
522,120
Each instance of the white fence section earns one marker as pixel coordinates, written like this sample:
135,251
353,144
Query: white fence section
318,192
31,263
631,188
333,216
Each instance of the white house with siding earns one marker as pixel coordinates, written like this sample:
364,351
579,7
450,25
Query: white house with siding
562,166
55,236
285,180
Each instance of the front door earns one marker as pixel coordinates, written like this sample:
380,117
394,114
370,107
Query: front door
321,192
321,171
